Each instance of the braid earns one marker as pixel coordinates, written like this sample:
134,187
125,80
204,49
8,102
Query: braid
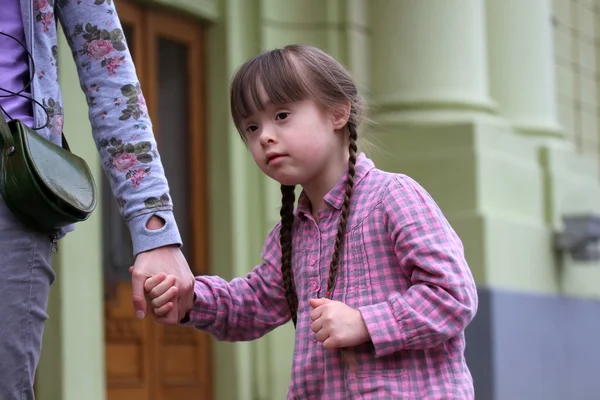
339,240
288,197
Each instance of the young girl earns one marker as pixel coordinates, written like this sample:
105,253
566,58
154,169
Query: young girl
367,267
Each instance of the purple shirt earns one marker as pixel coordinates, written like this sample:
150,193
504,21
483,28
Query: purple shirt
403,268
14,63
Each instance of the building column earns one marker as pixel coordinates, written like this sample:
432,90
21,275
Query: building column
436,120
439,123
523,82
430,56
521,64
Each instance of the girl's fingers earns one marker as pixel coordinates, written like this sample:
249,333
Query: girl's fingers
317,325
322,335
153,281
330,344
163,310
165,298
162,287
315,313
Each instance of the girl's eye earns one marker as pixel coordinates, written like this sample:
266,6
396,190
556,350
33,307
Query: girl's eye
251,128
282,115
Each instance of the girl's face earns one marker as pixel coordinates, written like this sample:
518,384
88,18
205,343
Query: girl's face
297,143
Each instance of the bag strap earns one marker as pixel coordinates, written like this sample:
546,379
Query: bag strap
65,145
5,131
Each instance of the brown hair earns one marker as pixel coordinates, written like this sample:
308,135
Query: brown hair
290,74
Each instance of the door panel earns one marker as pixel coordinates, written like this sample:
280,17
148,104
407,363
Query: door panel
145,360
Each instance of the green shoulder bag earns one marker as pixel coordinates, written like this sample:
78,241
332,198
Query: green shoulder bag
44,185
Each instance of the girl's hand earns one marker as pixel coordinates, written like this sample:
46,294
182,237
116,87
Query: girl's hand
336,324
161,291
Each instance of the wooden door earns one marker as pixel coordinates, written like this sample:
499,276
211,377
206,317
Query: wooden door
145,360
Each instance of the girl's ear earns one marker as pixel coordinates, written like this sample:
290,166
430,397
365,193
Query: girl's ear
341,115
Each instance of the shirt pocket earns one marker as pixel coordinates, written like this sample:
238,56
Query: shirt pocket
370,378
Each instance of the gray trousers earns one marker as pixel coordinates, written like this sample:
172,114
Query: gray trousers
25,278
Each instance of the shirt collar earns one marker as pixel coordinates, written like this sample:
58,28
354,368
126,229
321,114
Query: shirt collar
335,197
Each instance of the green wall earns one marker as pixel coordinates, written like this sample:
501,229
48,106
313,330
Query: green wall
72,361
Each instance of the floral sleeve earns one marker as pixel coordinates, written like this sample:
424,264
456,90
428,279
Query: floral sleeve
121,127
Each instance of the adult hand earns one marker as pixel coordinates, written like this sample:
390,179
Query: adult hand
170,261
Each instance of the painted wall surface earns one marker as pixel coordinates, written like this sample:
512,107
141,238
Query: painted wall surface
72,361
462,104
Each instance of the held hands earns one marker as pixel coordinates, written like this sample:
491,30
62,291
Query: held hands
336,324
162,292
167,259
170,260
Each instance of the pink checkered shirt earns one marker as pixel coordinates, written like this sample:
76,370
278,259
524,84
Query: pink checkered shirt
403,267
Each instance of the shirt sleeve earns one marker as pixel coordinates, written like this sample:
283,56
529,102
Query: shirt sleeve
244,308
121,127
442,299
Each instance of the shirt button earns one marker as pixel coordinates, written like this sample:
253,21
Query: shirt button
313,261
314,286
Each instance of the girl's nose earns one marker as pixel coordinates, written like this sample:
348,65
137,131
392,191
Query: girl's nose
267,136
